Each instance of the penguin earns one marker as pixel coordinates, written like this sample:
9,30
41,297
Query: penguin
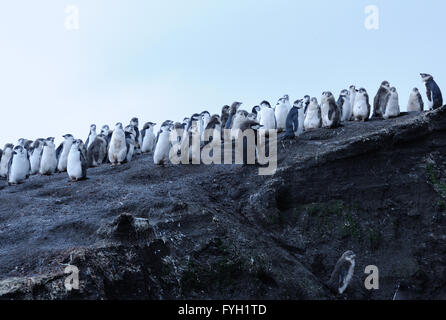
281,112
1,153
148,137
239,117
361,108
415,101
25,143
224,115
192,130
77,163
266,116
97,151
306,103
345,106
107,133
433,92
91,135
48,162
163,144
117,151
352,94
18,166
255,110
130,141
392,108
205,116
213,129
35,155
62,152
295,120
232,112
381,99
313,118
138,140
6,156
342,273
330,113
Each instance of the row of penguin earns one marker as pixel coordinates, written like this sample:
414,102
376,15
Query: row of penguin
119,145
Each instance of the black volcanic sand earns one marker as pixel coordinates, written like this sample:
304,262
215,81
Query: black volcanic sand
223,231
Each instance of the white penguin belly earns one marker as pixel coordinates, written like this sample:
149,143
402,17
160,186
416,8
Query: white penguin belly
19,170
281,114
162,148
48,162
74,165
62,164
326,122
267,119
346,110
148,142
4,164
301,119
311,120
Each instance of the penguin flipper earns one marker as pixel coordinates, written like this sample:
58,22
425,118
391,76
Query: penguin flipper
84,165
59,151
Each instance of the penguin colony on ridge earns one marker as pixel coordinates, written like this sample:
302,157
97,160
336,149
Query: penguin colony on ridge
119,146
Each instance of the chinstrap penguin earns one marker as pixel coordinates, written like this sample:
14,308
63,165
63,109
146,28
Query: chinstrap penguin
433,92
77,164
18,166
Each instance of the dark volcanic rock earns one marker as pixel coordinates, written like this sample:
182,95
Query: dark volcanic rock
139,231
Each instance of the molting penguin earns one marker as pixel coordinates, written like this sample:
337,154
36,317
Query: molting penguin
281,112
313,118
232,112
352,94
62,152
138,139
107,133
205,116
97,151
6,156
18,166
91,135
163,144
295,120
342,273
130,140
224,116
381,99
36,155
392,109
117,150
239,118
148,137
330,113
345,106
212,132
415,101
48,162
361,108
77,164
433,92
266,116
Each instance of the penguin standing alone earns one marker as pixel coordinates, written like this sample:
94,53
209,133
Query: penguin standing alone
433,92
76,162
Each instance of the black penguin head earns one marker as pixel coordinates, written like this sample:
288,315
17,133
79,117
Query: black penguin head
426,77
349,256
93,127
18,150
344,93
352,88
307,99
362,90
255,109
225,109
134,121
8,146
67,136
195,117
50,139
314,100
265,104
235,106
118,125
385,84
298,103
252,116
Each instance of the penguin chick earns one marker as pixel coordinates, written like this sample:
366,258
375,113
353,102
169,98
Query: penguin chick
392,109
97,151
77,164
381,99
331,116
48,162
281,112
344,105
361,108
163,144
18,166
342,273
6,156
313,119
117,150
148,137
295,120
91,135
415,101
62,152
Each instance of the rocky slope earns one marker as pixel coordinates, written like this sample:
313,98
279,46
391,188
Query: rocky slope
139,231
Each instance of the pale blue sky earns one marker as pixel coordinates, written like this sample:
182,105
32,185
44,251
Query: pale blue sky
168,59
